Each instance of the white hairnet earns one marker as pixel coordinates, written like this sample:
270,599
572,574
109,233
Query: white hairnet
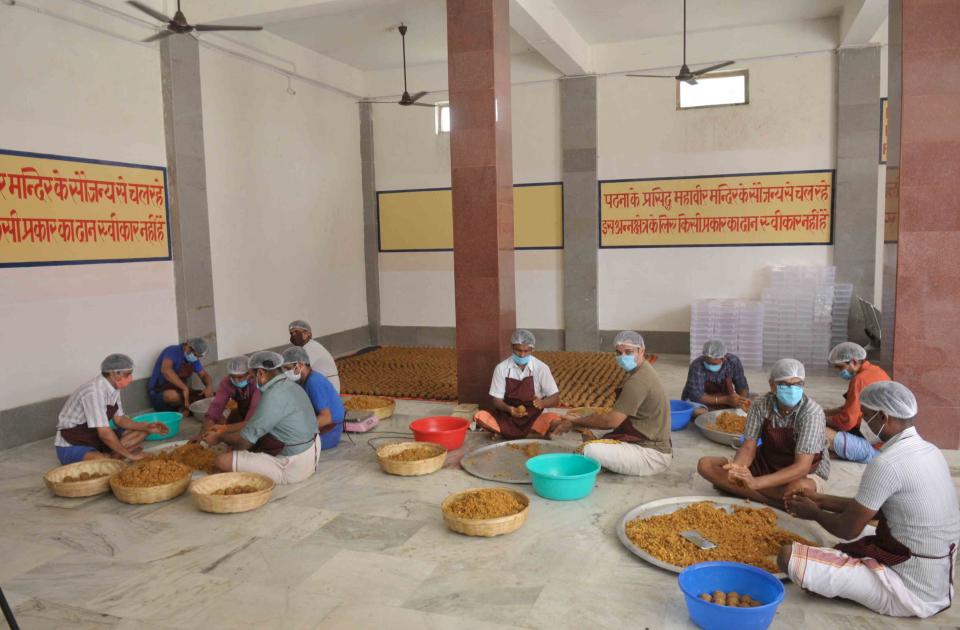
787,368
199,345
714,349
237,366
629,338
294,354
265,360
117,363
890,397
522,337
299,324
847,351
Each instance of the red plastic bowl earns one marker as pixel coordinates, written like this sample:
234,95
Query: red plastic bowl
447,431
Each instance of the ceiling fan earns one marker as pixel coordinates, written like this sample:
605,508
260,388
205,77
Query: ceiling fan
405,98
178,23
685,73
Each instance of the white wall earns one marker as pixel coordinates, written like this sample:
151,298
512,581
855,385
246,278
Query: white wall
416,289
69,91
284,194
790,124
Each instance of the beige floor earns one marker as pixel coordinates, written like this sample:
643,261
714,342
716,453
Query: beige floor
354,548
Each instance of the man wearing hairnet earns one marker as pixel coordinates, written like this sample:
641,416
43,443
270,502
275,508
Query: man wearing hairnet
169,385
325,400
638,442
784,447
521,390
716,380
301,335
236,399
843,424
906,568
83,428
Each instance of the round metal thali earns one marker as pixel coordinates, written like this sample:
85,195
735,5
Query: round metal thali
728,439
506,461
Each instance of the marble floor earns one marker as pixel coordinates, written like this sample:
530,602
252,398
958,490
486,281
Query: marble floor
355,548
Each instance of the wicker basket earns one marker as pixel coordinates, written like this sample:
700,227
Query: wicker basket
383,412
73,489
486,527
201,491
152,494
414,468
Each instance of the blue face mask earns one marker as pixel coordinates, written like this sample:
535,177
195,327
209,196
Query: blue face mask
240,384
627,361
789,395
521,360
846,374
712,367
190,357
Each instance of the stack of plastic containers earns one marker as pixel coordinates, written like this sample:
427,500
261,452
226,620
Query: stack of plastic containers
750,335
842,297
738,323
798,314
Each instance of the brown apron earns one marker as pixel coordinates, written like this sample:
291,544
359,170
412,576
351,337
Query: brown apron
777,450
82,435
725,388
626,432
243,400
271,445
518,393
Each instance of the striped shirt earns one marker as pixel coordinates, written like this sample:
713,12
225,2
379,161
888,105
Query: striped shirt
910,481
88,405
698,376
806,419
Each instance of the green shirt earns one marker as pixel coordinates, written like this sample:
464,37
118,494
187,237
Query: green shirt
646,405
286,413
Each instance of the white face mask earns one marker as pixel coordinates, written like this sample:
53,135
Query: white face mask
868,433
293,376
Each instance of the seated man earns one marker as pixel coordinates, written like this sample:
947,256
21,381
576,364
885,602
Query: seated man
639,443
716,380
326,403
522,387
792,453
168,386
843,433
906,569
237,392
83,429
301,335
280,440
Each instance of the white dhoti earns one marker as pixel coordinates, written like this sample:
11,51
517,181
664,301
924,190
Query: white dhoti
627,458
832,573
281,468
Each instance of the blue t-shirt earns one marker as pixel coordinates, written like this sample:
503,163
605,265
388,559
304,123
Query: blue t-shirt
323,396
175,354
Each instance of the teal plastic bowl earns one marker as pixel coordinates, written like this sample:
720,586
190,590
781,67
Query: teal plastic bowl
170,418
563,476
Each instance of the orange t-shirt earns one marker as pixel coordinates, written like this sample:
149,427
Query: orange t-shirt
850,414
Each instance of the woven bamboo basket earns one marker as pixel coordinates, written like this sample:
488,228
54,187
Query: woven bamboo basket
73,489
485,527
384,411
414,468
201,491
152,494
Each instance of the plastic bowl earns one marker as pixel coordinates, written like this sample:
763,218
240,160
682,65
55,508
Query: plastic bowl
708,577
447,431
169,418
680,413
563,476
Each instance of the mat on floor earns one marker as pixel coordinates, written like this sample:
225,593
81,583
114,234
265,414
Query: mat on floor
584,378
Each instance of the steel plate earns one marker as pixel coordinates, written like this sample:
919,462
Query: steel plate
727,439
500,462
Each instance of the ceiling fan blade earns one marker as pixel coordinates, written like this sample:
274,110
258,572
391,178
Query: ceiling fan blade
703,71
225,27
431,105
158,36
416,97
652,76
382,102
690,81
149,11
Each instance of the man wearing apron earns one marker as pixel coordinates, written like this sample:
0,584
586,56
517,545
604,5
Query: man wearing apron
784,448
236,394
280,441
716,380
639,439
522,387
168,387
906,568
843,424
83,428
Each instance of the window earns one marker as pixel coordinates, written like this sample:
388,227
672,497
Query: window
715,89
442,111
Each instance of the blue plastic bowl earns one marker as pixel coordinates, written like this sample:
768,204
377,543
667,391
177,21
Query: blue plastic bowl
563,476
680,413
170,418
708,577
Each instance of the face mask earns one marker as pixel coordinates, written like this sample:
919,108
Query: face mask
846,374
293,376
190,357
240,384
521,360
627,361
868,433
789,395
712,367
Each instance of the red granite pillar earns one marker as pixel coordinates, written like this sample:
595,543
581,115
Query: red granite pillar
926,353
478,59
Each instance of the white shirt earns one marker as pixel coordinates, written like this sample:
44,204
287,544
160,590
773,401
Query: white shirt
322,361
543,384
911,481
88,405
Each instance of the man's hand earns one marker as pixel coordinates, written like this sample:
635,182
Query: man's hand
735,400
564,426
741,476
207,391
157,428
801,506
538,403
185,392
135,457
518,412
212,435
